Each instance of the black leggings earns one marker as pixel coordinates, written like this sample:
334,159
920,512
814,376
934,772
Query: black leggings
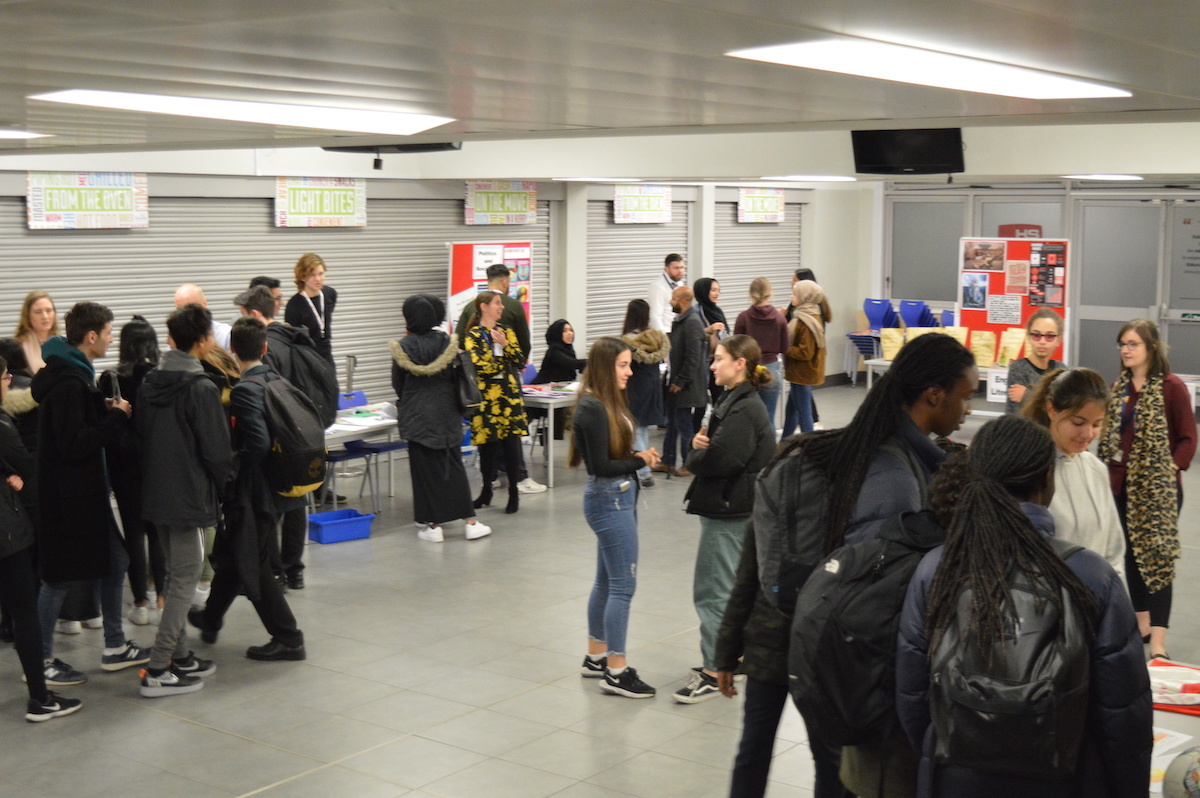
18,592
506,449
1157,604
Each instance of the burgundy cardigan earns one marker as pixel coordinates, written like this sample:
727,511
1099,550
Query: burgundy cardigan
1181,431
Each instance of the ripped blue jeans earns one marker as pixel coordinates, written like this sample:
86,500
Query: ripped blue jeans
611,512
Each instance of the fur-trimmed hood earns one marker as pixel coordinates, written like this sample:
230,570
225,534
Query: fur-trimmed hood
649,346
19,401
422,346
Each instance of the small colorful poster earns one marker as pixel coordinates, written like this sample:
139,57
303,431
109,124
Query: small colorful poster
641,204
320,202
760,205
1047,274
468,273
86,200
983,254
974,291
1016,277
501,202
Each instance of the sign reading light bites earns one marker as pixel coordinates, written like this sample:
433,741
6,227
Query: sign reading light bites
501,202
86,200
760,205
320,202
641,204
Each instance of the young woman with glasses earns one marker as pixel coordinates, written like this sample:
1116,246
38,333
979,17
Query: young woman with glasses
1043,334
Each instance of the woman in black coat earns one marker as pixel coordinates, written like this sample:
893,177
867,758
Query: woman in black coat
424,365
559,364
645,386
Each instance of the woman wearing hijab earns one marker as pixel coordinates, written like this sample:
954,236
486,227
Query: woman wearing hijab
708,291
423,364
804,361
559,364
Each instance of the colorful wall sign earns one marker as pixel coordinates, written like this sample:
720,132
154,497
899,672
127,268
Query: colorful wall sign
86,200
501,202
760,205
641,204
320,202
468,273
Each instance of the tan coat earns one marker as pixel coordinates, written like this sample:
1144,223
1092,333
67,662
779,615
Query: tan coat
804,361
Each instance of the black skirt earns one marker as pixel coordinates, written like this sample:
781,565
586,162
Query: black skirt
440,489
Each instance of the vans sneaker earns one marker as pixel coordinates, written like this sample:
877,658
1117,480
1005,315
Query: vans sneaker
626,684
477,530
430,534
191,665
593,668
55,706
168,682
116,659
60,674
700,687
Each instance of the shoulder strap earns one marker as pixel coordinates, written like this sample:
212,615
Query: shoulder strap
1064,548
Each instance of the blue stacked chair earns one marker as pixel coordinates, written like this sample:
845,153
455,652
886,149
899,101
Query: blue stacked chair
880,315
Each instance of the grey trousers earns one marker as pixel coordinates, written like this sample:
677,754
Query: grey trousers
183,548
716,566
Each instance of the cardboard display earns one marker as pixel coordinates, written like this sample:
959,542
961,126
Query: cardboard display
983,347
890,341
1012,341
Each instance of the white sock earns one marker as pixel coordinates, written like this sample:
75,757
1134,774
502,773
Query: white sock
595,657
121,650
617,671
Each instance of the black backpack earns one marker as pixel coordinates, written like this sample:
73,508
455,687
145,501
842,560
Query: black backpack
1020,708
790,517
842,657
316,378
295,465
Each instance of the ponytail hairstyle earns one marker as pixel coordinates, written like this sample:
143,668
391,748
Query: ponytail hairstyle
929,361
760,290
1066,390
600,380
978,491
743,346
481,299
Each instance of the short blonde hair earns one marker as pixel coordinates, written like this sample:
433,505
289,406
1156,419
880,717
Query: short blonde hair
307,264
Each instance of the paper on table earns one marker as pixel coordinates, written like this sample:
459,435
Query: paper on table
1158,769
890,341
1165,740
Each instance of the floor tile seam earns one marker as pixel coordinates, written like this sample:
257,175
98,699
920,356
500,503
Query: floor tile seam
335,763
681,760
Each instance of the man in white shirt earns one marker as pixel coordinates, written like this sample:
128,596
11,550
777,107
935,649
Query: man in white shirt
190,294
658,293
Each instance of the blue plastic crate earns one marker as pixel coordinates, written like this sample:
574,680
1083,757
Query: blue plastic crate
338,525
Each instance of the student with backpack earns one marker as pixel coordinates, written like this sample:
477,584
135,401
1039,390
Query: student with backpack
1063,710
727,455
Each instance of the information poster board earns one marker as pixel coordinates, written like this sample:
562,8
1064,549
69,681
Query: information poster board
320,202
759,205
501,202
641,204
86,200
468,273
1003,281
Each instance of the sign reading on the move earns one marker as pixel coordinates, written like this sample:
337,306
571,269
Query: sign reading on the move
320,202
501,202
86,200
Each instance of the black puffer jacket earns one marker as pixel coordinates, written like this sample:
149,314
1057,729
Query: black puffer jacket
423,374
741,442
752,629
16,525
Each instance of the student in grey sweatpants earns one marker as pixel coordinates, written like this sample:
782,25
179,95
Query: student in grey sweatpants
187,459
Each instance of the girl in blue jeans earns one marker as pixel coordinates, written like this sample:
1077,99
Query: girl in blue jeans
602,439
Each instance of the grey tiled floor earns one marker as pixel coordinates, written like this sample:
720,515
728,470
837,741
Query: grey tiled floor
447,670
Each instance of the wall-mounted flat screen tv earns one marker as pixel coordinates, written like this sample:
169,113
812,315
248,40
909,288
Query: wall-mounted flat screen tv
908,152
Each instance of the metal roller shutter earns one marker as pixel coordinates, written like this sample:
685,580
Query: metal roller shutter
746,251
220,243
622,259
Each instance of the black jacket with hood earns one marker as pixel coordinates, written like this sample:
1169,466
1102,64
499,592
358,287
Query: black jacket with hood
741,443
186,454
423,375
75,517
16,522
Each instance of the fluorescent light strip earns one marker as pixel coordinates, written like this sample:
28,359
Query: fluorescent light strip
22,134
597,179
1102,177
928,68
811,178
353,120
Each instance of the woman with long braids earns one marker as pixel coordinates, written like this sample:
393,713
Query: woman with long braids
991,499
1071,403
879,466
602,439
1149,439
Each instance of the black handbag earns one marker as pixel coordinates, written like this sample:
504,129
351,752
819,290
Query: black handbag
469,397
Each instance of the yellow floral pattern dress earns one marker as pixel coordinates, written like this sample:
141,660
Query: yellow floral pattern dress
502,413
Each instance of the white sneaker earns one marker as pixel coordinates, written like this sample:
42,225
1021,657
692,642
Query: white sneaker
431,534
202,592
818,426
68,627
140,615
477,530
94,623
527,485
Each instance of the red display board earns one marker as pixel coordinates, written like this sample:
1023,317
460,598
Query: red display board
1003,281
468,273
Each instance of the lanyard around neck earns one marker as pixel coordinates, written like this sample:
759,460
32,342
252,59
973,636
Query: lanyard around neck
317,313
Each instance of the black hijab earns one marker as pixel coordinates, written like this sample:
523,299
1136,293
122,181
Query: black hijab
554,337
423,312
559,364
712,313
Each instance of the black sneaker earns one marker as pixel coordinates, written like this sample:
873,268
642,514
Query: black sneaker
55,706
626,684
194,666
700,687
195,617
60,674
170,681
593,668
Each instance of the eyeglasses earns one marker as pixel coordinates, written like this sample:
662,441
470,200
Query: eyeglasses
1128,344
1038,336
